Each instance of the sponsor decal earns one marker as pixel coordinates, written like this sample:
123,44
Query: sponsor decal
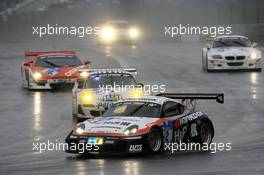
177,123
180,133
167,131
71,72
52,71
109,142
190,117
135,148
194,130
117,123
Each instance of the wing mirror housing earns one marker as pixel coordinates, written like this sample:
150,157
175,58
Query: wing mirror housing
139,85
254,45
208,46
86,62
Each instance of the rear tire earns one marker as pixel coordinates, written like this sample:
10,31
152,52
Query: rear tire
205,133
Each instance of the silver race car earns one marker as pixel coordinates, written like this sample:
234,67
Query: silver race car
102,87
232,52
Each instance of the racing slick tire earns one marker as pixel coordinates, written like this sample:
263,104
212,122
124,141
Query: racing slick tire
205,62
205,133
27,77
154,141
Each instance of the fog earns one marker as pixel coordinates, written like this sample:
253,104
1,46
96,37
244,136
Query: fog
245,16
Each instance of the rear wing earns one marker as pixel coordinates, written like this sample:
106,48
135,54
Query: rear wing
193,96
110,70
33,54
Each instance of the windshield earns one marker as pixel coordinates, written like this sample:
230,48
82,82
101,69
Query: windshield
109,80
134,108
231,42
119,24
58,61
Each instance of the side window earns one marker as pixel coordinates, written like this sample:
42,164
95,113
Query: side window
172,109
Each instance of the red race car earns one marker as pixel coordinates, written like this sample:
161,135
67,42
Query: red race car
47,70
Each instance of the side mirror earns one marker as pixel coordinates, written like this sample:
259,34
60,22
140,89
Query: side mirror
139,85
254,45
26,64
208,46
86,62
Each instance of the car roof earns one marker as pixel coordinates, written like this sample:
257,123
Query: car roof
231,36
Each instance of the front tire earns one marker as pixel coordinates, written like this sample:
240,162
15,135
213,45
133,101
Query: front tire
154,141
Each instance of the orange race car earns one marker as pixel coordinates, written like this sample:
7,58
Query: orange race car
47,70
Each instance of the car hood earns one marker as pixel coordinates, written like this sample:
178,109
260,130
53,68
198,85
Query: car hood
117,124
58,72
103,95
233,50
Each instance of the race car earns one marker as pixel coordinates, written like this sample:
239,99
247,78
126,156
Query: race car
144,125
47,70
100,88
117,32
232,52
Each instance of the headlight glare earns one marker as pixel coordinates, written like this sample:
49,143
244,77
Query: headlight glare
253,55
87,97
131,130
127,132
108,33
80,128
37,75
134,130
134,33
84,74
217,56
136,94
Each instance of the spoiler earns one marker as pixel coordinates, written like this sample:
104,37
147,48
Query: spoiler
110,70
192,96
32,54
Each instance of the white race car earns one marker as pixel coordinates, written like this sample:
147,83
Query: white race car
118,31
232,52
101,88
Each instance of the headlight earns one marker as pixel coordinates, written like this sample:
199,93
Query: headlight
134,33
217,57
108,33
37,75
87,97
136,94
84,74
253,55
131,130
80,128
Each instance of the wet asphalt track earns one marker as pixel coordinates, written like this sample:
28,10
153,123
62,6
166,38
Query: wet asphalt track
43,115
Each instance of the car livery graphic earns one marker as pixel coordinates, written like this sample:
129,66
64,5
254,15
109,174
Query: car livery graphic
139,125
47,70
98,91
232,52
